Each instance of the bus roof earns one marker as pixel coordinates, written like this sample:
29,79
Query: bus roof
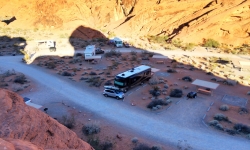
133,71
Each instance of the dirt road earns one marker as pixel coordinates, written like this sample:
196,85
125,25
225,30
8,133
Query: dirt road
156,127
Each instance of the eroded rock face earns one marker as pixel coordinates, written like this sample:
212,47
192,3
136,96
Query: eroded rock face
19,121
226,21
15,144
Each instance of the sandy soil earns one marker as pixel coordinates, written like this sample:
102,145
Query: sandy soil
8,81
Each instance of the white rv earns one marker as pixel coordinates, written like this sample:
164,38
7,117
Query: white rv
46,44
89,52
118,42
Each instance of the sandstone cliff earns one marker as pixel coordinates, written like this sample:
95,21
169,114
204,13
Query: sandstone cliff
190,20
26,124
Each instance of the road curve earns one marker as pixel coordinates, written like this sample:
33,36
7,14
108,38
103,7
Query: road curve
129,117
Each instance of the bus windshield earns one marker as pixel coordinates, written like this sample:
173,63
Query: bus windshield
119,83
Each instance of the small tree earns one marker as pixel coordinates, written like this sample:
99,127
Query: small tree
211,43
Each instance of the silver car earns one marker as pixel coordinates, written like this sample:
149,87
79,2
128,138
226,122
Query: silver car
113,93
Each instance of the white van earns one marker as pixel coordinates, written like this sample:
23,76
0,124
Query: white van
118,42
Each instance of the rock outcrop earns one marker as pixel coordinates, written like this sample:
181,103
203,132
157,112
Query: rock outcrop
20,123
226,21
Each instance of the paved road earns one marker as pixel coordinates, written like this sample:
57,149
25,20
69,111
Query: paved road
153,126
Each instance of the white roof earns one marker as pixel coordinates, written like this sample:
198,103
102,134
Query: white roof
90,49
160,56
205,84
117,39
133,71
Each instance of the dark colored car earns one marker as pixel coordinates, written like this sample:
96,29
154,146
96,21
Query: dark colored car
99,51
127,45
192,95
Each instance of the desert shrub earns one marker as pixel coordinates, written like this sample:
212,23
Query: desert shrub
158,39
242,128
187,78
248,136
115,63
224,107
220,117
155,91
107,145
65,73
124,58
156,148
92,73
219,126
243,110
211,43
134,140
155,103
177,43
133,53
133,58
91,128
142,147
213,122
171,71
176,93
113,53
189,46
231,132
51,65
68,121
153,81
21,79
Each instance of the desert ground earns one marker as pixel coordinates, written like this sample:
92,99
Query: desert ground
192,113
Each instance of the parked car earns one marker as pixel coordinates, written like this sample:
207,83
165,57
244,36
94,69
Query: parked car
26,99
99,51
113,93
192,95
127,45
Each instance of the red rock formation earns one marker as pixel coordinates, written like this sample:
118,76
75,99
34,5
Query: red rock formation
19,121
226,21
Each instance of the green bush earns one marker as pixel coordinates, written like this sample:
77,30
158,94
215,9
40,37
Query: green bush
142,147
220,117
219,126
211,43
224,107
154,103
91,128
213,122
21,79
68,121
51,65
189,46
176,93
158,39
242,128
113,53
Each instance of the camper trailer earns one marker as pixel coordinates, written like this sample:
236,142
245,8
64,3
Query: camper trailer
118,42
89,52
